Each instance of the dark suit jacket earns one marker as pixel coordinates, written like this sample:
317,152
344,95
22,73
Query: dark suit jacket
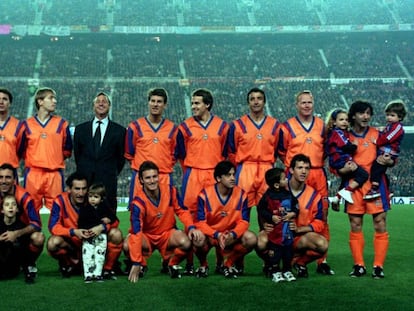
106,166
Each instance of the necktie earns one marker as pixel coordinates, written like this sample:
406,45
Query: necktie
97,138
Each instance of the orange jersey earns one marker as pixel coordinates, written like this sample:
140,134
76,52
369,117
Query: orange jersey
296,139
202,146
63,216
366,152
47,145
310,209
216,215
252,148
155,218
11,141
251,142
144,142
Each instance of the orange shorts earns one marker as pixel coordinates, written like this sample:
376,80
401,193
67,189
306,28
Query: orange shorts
195,180
317,179
43,185
250,177
361,206
158,241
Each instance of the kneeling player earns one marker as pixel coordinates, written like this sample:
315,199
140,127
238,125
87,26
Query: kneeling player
223,216
153,225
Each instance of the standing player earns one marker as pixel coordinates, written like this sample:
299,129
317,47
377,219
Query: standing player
152,138
11,131
252,142
201,144
65,241
364,137
47,143
223,216
309,243
305,133
28,215
153,225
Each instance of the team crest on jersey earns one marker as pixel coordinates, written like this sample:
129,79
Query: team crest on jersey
223,214
159,215
259,136
308,140
2,138
365,144
43,135
155,140
205,136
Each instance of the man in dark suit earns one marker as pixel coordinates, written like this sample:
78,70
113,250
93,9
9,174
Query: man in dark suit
99,148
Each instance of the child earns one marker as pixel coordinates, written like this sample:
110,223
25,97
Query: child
339,151
13,254
95,217
278,207
388,143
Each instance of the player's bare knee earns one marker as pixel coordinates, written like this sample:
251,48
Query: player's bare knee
38,239
380,223
322,245
249,240
115,236
54,242
262,240
184,242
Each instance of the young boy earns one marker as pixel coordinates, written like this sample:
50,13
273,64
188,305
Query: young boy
13,254
95,217
388,143
278,207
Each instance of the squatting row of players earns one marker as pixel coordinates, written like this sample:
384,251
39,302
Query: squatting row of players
228,168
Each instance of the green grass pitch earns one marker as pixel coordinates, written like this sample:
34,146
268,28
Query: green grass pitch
249,292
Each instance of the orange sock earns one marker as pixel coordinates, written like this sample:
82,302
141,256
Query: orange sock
35,251
201,254
59,254
381,242
112,254
178,256
190,257
326,233
237,252
308,257
357,243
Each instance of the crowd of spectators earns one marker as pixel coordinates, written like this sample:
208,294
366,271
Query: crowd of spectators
206,12
143,13
74,12
359,12
17,12
286,13
144,59
363,60
17,60
89,60
215,13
